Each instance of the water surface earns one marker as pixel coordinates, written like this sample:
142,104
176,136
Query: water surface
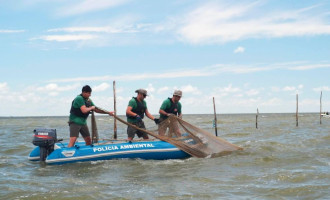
279,161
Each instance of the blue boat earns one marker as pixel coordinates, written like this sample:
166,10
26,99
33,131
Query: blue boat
157,150
53,152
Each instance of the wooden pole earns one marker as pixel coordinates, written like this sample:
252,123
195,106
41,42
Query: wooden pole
115,110
215,119
321,108
297,109
95,135
257,118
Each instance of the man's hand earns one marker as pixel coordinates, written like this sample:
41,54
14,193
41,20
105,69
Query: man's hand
156,120
138,118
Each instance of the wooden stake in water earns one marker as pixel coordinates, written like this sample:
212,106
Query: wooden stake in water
215,119
95,135
321,108
257,118
297,109
115,110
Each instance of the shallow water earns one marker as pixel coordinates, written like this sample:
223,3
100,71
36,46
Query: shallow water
279,161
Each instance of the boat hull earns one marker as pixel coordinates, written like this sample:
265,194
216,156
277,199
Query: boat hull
325,115
156,150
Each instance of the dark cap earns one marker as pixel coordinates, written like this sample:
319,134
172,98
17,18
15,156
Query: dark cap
142,91
86,88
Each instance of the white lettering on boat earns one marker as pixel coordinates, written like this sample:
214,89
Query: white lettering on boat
136,146
127,146
105,148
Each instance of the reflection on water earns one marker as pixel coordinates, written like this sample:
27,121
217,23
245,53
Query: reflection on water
279,161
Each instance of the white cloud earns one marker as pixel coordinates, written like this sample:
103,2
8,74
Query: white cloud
239,95
275,89
309,67
100,29
323,88
273,102
162,90
240,69
239,50
86,6
97,34
224,22
293,88
11,31
53,94
309,102
4,87
49,87
134,77
190,89
289,88
119,90
119,30
22,99
207,24
52,88
67,38
150,88
40,98
252,92
207,71
101,87
229,89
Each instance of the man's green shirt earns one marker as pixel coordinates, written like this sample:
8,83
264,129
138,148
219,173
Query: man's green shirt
167,104
132,103
77,103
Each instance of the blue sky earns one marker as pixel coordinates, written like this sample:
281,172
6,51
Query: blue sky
246,54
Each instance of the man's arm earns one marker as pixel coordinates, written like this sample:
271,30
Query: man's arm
103,112
129,111
179,110
149,115
163,108
85,109
163,112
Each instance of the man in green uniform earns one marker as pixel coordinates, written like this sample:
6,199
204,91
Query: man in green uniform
136,109
81,106
171,106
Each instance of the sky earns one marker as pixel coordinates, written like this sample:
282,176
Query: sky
247,55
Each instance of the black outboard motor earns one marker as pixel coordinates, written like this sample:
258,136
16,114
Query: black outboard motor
45,139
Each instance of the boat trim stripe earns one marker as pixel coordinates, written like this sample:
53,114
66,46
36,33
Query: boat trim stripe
110,154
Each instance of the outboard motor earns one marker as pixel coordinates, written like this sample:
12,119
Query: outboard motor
45,139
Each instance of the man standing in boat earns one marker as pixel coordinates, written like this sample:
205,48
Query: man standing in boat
136,109
171,106
81,107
